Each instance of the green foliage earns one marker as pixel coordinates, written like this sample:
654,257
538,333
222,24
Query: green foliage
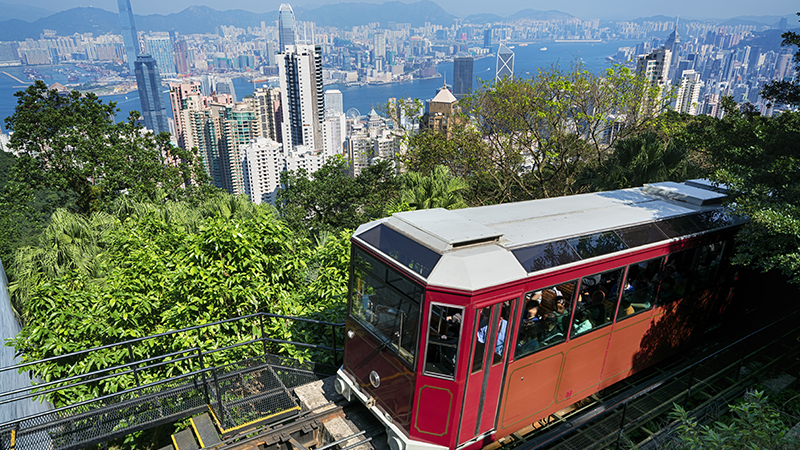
638,160
328,201
147,268
758,158
752,424
784,91
73,144
438,190
526,138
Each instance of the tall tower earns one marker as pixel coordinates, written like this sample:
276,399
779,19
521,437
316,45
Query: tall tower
655,67
148,80
505,62
286,27
380,44
129,35
302,100
462,76
161,49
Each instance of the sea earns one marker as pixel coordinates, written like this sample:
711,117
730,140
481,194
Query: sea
527,60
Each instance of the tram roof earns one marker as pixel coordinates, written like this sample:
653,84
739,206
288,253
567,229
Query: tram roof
474,248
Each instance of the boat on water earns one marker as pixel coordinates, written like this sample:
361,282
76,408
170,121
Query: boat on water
544,49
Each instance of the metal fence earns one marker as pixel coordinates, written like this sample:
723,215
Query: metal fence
154,389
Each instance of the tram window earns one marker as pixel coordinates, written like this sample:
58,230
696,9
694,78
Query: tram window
675,278
386,303
639,291
597,301
480,342
544,320
640,235
444,332
679,226
704,267
597,244
544,256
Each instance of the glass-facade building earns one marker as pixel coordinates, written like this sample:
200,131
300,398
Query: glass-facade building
148,81
462,76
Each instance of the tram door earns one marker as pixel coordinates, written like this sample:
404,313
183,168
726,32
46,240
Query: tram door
490,339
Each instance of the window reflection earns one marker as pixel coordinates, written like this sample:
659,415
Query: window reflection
444,333
544,320
544,256
640,287
386,303
597,244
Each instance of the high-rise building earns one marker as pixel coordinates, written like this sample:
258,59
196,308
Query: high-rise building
462,75
286,27
262,164
181,51
160,48
505,62
148,81
688,93
302,100
267,102
334,104
129,35
487,38
380,44
654,67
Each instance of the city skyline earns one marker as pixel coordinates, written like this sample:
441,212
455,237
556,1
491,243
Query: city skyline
585,9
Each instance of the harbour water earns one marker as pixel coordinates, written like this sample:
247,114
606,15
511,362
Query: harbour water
528,59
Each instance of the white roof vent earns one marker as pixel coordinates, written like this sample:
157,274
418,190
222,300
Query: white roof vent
685,193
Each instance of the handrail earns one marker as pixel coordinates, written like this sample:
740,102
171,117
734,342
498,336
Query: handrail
166,333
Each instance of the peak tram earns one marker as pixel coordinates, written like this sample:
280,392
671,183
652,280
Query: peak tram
465,326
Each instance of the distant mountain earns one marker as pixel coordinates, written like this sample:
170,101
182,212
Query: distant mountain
532,14
658,18
66,23
525,14
23,12
484,18
766,20
202,19
347,15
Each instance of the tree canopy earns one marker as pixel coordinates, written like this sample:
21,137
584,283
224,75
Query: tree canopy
72,143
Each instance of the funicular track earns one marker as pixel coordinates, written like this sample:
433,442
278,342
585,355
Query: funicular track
254,391
703,381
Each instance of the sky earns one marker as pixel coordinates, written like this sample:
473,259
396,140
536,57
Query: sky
584,9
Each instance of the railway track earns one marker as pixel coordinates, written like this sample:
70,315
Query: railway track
704,382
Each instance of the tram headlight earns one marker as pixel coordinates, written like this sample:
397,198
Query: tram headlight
342,388
351,334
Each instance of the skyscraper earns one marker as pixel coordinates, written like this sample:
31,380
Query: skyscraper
148,80
380,44
286,27
655,67
161,49
302,100
129,35
505,62
462,76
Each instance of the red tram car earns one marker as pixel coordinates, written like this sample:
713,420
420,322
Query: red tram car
465,326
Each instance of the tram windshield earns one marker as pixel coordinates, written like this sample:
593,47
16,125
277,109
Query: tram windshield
386,303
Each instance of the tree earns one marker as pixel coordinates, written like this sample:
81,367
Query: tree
758,159
753,424
522,139
329,200
438,190
638,160
783,91
73,144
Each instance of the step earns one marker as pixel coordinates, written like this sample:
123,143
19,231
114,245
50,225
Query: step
184,440
205,430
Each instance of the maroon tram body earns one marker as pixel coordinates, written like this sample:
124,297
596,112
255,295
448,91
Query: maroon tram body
452,346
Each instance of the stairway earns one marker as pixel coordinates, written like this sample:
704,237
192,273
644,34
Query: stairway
202,434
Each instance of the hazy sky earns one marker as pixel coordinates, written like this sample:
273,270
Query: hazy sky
585,9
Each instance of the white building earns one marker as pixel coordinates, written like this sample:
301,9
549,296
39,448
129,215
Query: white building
334,104
302,101
689,92
262,164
